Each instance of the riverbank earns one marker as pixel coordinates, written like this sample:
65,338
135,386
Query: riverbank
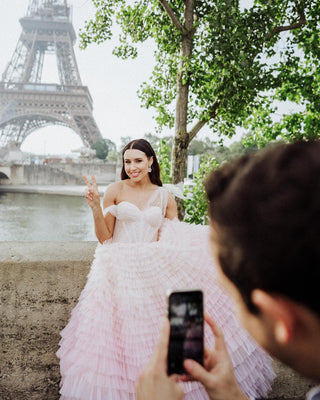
66,190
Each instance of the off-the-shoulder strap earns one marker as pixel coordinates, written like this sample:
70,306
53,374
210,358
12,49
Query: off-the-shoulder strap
176,190
111,209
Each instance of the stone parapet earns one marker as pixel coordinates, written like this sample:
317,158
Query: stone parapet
57,173
40,285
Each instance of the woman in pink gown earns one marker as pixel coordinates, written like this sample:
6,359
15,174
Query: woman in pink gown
144,251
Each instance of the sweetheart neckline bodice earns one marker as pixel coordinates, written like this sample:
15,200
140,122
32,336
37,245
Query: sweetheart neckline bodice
134,224
145,208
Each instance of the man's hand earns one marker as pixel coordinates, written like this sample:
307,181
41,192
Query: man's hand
154,383
217,377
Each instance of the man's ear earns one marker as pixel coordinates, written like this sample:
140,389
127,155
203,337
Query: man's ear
279,313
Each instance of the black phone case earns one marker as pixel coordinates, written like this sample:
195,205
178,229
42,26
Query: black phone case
185,313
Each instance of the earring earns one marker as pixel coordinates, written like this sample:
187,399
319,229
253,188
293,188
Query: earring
149,169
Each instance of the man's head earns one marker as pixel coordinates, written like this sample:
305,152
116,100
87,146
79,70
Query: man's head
265,218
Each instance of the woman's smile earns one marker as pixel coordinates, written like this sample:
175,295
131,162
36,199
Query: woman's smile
136,164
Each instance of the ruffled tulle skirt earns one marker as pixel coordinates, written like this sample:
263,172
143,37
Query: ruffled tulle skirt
115,325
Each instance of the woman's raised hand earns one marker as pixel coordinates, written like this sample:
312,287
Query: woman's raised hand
92,194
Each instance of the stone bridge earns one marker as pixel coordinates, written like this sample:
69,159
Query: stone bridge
57,173
40,284
5,173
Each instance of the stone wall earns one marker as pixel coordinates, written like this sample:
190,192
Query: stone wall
40,284
48,175
58,173
104,173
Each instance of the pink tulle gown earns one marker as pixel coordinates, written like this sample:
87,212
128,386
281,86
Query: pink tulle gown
115,325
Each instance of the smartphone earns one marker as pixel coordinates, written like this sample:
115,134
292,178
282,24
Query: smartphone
185,313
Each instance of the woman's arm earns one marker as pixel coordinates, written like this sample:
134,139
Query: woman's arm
171,211
103,226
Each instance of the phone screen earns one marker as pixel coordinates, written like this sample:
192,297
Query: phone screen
185,312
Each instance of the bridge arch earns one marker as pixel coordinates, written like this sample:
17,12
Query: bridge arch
5,173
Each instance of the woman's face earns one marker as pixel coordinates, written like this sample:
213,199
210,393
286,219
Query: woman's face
136,164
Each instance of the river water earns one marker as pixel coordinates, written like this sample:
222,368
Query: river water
44,217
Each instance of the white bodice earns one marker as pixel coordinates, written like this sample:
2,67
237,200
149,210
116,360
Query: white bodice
134,225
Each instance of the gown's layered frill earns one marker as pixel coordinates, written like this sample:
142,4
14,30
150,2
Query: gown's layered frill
115,325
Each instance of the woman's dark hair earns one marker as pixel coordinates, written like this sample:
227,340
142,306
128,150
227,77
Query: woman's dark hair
266,208
144,146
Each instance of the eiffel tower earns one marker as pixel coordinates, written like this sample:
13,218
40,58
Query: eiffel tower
26,103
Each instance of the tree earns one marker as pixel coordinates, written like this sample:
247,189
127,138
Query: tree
221,64
198,147
196,202
163,154
102,148
156,140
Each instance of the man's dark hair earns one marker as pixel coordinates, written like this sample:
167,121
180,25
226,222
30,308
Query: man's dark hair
266,207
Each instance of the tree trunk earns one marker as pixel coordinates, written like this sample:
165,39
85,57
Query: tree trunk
181,139
179,156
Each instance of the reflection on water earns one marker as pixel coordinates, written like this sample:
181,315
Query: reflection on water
42,217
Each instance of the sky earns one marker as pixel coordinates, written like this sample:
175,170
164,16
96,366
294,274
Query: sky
113,83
